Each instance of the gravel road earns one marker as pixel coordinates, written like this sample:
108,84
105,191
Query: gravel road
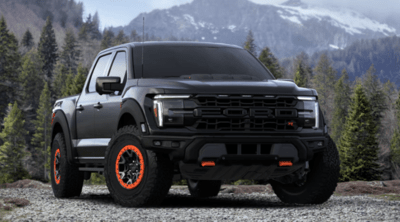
95,204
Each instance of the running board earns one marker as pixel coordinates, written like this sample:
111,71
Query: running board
91,169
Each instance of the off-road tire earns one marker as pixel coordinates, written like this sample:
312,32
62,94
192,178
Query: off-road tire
320,183
204,188
157,175
70,182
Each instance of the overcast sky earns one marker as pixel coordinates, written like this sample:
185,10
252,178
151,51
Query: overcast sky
121,12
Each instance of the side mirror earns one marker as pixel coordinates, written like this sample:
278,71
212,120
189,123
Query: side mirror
108,84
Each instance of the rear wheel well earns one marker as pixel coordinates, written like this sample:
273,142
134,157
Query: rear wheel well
126,120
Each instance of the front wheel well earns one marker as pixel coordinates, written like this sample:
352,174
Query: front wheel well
57,129
126,120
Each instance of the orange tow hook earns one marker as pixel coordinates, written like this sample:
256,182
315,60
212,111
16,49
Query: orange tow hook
207,163
285,163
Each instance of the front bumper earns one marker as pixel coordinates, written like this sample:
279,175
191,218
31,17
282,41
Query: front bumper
237,157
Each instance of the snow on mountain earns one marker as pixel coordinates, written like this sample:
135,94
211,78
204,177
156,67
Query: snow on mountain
288,29
351,21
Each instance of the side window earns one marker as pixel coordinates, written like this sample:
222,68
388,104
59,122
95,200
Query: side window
98,71
118,67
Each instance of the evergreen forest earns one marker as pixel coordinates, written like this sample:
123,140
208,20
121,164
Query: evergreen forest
361,105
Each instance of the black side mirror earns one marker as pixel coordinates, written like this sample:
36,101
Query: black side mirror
108,84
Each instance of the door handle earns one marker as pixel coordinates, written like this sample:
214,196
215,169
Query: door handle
98,106
80,108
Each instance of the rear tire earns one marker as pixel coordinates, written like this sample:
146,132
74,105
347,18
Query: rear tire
320,182
66,179
204,188
136,177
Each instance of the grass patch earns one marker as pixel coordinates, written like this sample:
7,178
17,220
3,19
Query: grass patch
390,196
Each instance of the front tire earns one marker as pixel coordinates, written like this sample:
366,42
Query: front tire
320,182
204,188
66,179
136,177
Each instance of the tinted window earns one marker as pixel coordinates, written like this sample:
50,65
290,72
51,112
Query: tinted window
118,67
98,71
178,61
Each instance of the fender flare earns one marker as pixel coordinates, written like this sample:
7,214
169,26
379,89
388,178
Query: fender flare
132,107
62,120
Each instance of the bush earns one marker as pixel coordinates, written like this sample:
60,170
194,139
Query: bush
96,179
244,182
181,182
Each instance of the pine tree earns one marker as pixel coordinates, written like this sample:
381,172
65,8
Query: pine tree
70,54
358,144
301,64
67,89
31,81
41,138
324,82
133,36
13,149
121,38
107,40
300,77
47,49
27,40
342,102
374,92
9,65
61,73
79,80
270,61
395,141
249,44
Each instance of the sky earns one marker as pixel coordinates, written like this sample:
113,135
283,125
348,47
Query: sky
121,12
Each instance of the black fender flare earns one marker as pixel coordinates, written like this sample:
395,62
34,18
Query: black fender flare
62,120
132,107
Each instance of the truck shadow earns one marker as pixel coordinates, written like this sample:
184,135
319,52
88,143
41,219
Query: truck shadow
186,201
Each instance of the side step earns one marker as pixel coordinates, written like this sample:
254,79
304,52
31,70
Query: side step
92,169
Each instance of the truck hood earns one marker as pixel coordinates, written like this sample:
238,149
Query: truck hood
184,86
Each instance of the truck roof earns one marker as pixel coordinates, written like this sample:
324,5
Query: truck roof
172,43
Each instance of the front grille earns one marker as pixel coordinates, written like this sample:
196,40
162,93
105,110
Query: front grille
240,101
245,113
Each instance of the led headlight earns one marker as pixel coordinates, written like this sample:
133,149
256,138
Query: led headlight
310,114
168,109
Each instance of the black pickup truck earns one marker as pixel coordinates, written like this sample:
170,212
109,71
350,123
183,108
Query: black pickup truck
154,112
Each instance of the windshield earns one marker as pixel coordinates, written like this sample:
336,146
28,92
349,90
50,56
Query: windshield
200,62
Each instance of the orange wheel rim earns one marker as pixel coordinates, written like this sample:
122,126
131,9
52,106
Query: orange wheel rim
57,173
129,167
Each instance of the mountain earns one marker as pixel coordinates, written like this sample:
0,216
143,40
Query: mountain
23,14
287,29
384,53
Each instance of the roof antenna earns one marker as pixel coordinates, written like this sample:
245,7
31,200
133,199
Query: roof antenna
142,47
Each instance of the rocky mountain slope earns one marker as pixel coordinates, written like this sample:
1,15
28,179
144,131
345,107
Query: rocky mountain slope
287,29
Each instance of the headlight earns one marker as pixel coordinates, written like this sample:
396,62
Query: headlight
168,109
310,113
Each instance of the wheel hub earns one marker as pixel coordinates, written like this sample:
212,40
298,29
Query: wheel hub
129,167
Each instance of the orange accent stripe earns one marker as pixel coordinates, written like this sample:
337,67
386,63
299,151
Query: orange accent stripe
207,163
55,168
141,160
52,118
155,112
285,163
